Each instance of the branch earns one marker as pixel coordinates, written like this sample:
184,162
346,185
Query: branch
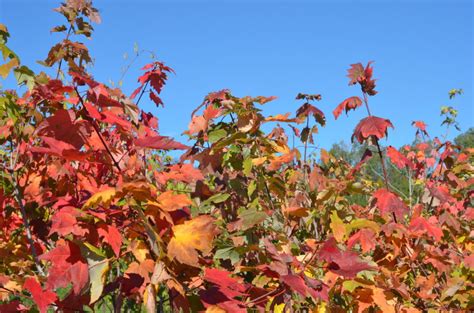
97,130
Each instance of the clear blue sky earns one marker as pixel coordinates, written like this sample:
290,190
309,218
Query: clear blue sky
421,50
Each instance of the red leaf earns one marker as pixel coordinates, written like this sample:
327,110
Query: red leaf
295,283
156,99
13,307
135,92
112,236
159,142
64,222
156,76
100,96
421,127
366,239
343,263
351,103
42,298
307,109
399,159
358,74
218,95
61,149
229,286
197,124
371,126
62,125
388,202
66,263
420,225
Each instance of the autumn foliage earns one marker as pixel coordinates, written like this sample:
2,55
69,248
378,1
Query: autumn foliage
93,217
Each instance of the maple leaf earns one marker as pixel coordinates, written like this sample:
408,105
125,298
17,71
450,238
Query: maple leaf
307,109
156,75
278,161
338,227
343,263
192,236
296,283
229,286
68,266
42,298
388,202
197,125
159,142
355,72
168,201
366,238
103,197
280,118
101,96
218,95
180,172
399,159
61,149
156,99
420,225
62,125
64,222
371,126
351,103
358,74
421,127
112,236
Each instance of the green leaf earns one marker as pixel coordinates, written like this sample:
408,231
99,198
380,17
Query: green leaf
250,218
219,198
247,166
25,76
251,188
216,135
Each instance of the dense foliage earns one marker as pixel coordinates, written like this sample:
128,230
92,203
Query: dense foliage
94,217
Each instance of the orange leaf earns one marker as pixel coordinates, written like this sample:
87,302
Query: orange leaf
189,238
168,201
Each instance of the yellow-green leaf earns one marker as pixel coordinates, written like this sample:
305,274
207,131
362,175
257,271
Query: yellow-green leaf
338,227
103,197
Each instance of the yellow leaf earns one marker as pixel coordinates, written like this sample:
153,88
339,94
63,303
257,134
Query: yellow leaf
259,161
103,197
321,308
98,268
139,250
279,308
149,299
363,223
192,236
215,309
6,68
338,227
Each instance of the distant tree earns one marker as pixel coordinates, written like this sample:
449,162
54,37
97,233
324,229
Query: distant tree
466,139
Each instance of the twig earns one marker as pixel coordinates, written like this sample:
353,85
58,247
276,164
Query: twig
97,130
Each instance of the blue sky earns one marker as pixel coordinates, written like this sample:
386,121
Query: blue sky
421,50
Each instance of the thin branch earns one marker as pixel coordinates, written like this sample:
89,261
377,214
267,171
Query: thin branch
97,130
61,61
